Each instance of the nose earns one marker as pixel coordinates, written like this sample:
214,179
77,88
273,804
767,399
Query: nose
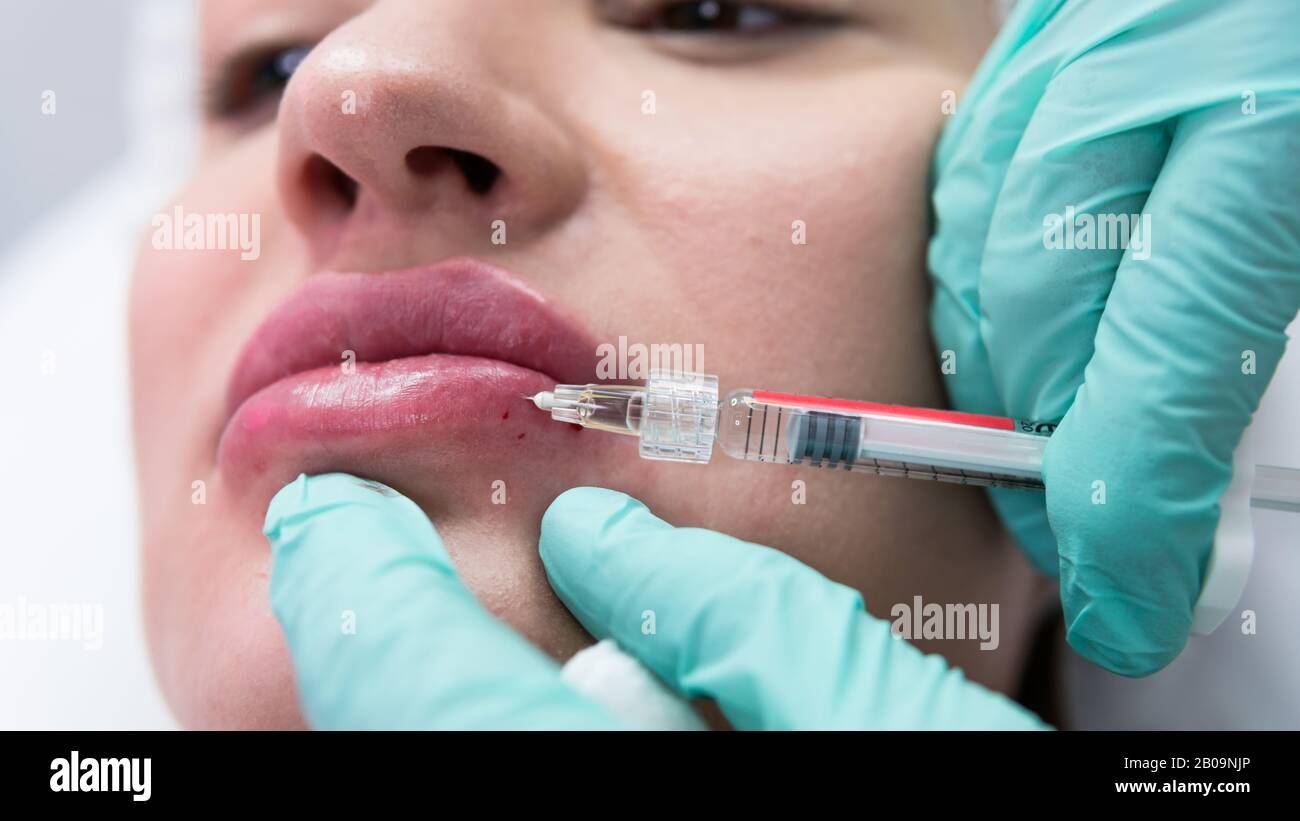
403,123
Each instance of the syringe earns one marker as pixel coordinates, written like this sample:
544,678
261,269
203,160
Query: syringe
677,417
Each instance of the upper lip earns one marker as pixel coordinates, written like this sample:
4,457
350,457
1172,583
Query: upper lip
460,307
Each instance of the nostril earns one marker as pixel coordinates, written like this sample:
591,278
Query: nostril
344,185
479,172
426,160
330,184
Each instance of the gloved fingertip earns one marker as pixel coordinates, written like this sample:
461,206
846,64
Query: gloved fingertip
314,494
583,518
594,544
1106,636
284,503
340,508
588,504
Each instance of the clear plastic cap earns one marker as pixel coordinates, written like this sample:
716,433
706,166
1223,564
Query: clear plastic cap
680,418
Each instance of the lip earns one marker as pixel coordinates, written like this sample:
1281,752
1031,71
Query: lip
444,348
460,307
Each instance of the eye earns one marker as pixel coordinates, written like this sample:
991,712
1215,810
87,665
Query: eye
248,80
724,17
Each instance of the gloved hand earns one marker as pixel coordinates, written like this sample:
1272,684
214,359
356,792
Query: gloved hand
382,632
1187,112
775,643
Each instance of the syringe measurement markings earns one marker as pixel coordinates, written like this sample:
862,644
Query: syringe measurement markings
776,444
749,425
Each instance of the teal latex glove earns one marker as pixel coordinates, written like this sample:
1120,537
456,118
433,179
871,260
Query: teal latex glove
1187,112
776,644
382,632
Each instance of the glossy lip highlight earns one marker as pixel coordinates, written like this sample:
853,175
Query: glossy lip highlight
460,307
442,356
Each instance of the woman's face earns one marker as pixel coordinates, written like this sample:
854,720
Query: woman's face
465,198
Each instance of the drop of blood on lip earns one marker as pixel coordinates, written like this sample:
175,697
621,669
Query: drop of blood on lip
505,416
575,426
520,436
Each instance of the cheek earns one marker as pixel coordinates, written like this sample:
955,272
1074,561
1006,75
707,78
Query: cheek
841,310
204,566
191,309
804,243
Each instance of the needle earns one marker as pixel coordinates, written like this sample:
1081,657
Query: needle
546,401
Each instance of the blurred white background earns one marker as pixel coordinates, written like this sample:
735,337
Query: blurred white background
80,186
79,50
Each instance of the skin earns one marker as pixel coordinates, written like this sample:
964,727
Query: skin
671,227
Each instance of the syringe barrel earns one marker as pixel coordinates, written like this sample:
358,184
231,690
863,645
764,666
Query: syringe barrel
887,440
613,408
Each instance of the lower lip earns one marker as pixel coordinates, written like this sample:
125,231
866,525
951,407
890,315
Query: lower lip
318,419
